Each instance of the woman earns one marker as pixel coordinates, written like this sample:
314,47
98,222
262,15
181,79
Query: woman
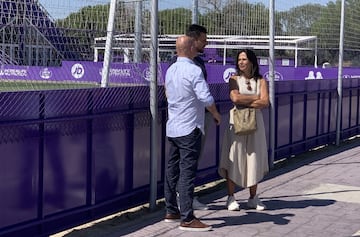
244,158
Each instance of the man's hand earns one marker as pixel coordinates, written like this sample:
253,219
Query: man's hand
213,110
217,118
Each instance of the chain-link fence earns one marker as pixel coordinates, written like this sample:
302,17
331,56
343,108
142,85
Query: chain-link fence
40,40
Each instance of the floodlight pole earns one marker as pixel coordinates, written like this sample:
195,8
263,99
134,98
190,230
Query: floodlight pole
153,104
108,45
271,82
340,75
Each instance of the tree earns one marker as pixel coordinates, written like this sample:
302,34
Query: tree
174,21
299,20
237,17
80,28
352,32
228,17
90,18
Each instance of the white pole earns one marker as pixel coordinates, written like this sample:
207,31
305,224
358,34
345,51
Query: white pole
108,45
195,12
316,55
271,81
96,55
340,74
138,32
296,55
153,104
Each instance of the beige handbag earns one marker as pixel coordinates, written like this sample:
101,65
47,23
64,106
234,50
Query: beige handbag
244,121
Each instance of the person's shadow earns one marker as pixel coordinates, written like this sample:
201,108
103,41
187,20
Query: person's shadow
251,217
254,217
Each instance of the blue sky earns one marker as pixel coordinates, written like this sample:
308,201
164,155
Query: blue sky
62,8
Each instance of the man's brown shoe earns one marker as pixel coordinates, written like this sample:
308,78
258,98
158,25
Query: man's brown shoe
194,225
172,217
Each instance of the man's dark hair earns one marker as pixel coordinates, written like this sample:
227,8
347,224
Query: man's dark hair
195,31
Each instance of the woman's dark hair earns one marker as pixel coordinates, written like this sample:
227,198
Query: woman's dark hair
255,73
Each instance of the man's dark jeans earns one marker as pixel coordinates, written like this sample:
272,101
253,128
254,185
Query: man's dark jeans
181,172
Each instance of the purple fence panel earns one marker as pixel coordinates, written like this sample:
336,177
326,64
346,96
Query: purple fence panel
354,114
19,106
18,174
142,149
283,121
72,102
311,121
109,152
210,148
65,159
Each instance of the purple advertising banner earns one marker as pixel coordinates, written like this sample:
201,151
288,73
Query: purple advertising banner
128,73
220,73
78,72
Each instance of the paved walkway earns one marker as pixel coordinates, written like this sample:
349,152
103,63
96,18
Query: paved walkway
315,194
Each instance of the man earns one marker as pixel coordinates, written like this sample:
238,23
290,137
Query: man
187,95
199,34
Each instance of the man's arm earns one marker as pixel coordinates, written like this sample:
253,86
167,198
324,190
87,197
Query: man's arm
213,110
